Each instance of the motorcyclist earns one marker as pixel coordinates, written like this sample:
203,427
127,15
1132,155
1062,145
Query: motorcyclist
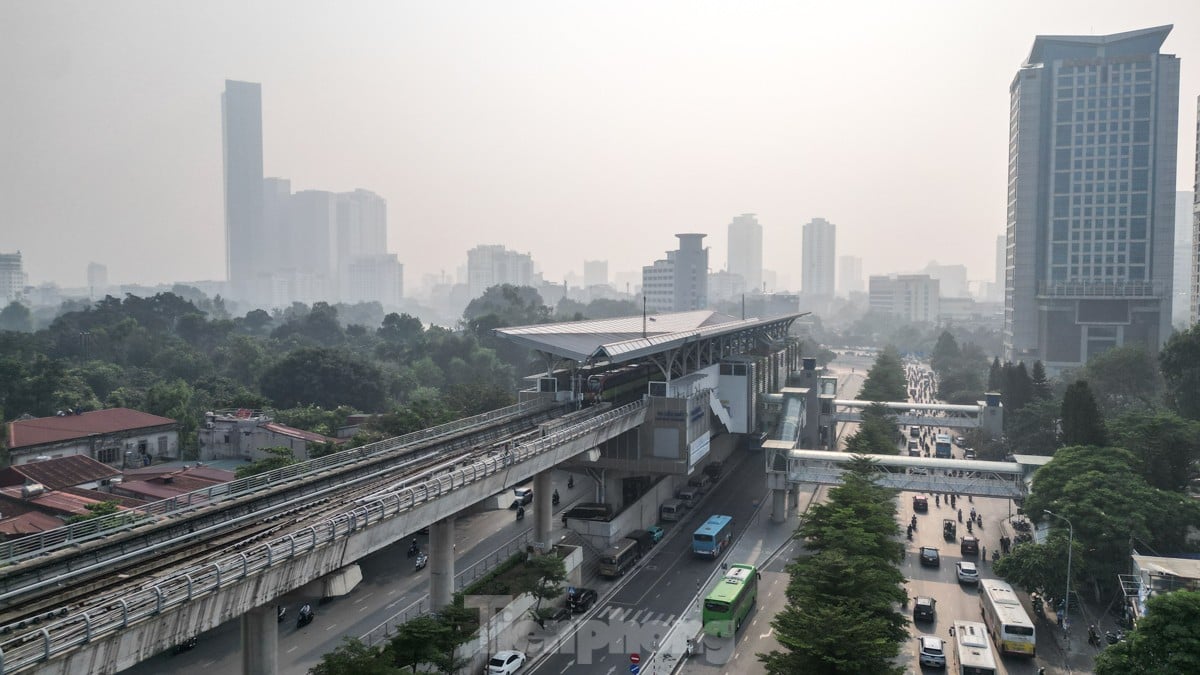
914,521
520,512
306,610
413,548
570,481
960,515
555,496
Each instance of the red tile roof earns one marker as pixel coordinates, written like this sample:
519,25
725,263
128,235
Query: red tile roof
57,501
23,433
59,472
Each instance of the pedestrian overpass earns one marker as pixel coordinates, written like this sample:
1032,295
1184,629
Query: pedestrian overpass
987,414
788,468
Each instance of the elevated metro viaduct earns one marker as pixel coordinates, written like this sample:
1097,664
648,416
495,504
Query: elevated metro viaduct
716,372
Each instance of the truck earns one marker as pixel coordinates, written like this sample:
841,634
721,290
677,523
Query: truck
644,539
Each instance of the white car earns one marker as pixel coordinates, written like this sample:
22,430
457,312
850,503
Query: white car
967,572
931,651
506,662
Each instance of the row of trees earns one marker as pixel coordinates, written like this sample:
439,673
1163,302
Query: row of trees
959,370
843,598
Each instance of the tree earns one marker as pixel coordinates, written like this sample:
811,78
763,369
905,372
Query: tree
419,641
1166,641
946,353
840,616
352,657
876,434
1018,387
1100,490
1124,378
1166,446
1041,568
1041,384
1081,420
995,376
1033,430
542,577
279,457
326,378
1180,364
15,317
512,305
886,380
95,511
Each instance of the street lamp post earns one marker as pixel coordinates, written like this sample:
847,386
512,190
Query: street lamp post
1070,546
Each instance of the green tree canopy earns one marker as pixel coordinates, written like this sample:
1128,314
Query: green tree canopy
1180,364
1081,420
1124,378
886,380
16,317
326,378
1165,642
352,657
876,434
1166,446
1041,384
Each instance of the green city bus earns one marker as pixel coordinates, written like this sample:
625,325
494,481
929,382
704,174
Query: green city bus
730,601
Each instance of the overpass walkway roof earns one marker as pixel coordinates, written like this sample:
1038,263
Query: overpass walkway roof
631,338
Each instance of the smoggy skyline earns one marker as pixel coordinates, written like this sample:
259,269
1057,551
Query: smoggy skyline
566,130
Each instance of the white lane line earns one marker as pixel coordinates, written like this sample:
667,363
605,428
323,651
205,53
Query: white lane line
768,633
331,626
568,666
292,650
360,599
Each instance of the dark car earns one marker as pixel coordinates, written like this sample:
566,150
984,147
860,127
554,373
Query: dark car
561,614
924,609
920,503
969,546
930,557
714,469
580,599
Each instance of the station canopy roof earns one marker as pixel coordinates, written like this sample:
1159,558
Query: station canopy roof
632,337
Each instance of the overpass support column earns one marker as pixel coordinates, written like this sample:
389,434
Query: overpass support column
543,512
260,641
778,505
441,563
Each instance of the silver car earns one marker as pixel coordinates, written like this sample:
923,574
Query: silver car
931,651
967,572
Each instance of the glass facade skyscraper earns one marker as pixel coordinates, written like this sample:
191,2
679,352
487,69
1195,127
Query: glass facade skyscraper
241,127
1091,197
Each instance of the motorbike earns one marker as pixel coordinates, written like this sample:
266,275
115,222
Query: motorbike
413,549
910,532
1037,605
1113,638
421,561
280,612
1093,636
521,513
306,617
554,499
570,482
969,530
960,515
914,522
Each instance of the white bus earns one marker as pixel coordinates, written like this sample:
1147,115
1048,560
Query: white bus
972,653
1009,625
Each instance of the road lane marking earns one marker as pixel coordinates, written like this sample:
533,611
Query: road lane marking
288,651
768,633
568,666
331,627
360,599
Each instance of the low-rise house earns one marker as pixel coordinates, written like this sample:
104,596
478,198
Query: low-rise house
118,437
1153,575
245,434
155,483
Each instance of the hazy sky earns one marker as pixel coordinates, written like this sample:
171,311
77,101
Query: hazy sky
568,130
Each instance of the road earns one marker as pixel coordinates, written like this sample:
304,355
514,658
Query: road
389,585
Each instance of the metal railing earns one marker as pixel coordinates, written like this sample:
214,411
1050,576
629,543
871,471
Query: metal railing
1100,289
113,614
74,534
387,629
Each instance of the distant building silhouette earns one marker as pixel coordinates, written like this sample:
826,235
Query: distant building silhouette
595,273
12,278
97,279
1185,251
241,116
850,275
1091,197
746,251
679,282
492,265
910,297
818,258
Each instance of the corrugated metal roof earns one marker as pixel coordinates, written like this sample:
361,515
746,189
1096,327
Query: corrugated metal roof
23,433
623,339
59,472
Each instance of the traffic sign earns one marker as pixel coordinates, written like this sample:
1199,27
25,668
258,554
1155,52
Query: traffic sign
634,668
635,658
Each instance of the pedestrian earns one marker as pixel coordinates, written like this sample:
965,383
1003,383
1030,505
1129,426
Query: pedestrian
983,553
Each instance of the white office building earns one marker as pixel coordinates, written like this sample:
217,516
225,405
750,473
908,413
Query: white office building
818,258
908,297
746,251
678,283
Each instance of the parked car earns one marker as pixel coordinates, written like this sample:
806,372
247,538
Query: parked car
506,662
967,572
930,557
713,469
580,599
932,651
656,532
924,609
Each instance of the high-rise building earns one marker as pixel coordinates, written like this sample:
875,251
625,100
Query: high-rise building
952,279
374,278
1195,285
312,222
1181,284
1091,197
911,297
678,283
595,273
12,278
997,294
818,258
97,279
241,116
491,265
850,275
746,250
